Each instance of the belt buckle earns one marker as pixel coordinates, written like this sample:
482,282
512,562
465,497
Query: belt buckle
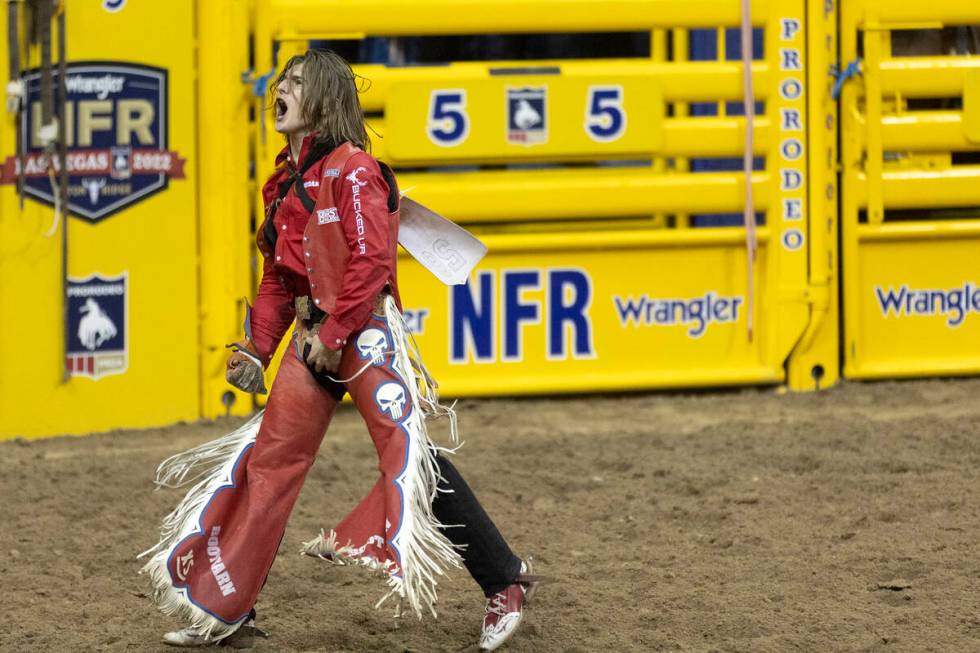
379,304
303,308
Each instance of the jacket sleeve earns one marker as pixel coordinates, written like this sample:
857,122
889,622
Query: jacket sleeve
272,314
365,225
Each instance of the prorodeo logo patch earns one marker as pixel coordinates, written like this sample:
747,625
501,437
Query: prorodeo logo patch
116,129
97,315
527,115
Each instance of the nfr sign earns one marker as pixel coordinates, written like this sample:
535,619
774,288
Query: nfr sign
116,129
480,333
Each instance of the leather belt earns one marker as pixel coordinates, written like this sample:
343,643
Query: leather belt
309,315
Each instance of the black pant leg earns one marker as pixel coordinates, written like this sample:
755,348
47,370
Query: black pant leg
487,556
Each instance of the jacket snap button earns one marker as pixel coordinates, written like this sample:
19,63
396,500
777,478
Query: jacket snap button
316,301
278,258
284,227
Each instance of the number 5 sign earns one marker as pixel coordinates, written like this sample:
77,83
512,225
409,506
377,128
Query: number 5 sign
605,118
472,118
448,123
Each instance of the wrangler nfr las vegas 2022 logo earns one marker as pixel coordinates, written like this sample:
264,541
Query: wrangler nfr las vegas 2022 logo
116,129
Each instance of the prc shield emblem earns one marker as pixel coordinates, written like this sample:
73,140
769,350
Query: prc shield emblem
527,115
116,128
97,341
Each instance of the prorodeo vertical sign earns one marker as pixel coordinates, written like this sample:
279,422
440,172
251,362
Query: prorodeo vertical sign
792,170
116,127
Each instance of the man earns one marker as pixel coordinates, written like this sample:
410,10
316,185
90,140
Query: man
330,265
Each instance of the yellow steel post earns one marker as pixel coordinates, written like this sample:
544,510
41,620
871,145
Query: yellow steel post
681,110
851,161
658,53
874,167
768,298
783,304
814,363
223,198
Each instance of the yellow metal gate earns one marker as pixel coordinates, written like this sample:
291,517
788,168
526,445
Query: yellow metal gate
911,191
596,277
604,189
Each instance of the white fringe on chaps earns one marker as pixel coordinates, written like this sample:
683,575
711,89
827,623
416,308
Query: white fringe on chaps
421,552
425,550
212,463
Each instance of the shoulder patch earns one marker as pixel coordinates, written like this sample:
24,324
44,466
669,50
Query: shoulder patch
331,172
353,179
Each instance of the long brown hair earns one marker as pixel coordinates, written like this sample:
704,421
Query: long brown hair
330,105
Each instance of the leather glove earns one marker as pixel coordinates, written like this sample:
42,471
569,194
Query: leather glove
321,358
244,369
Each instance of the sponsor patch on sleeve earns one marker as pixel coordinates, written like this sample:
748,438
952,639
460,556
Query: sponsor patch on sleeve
331,172
326,216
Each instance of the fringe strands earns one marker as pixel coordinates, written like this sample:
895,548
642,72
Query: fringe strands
211,465
425,551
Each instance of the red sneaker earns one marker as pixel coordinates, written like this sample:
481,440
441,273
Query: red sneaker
505,609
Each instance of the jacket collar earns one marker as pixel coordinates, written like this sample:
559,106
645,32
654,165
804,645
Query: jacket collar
284,157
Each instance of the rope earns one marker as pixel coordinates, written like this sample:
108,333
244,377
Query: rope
751,242
853,69
260,83
56,194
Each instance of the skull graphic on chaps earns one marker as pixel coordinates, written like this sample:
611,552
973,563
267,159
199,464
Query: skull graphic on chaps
373,344
391,399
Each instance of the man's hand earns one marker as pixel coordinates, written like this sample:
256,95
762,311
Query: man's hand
244,369
321,358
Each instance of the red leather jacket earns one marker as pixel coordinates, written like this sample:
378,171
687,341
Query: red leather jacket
341,255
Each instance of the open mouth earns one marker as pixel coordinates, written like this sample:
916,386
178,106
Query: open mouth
281,108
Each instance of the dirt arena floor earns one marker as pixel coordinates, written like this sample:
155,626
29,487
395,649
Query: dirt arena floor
720,521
